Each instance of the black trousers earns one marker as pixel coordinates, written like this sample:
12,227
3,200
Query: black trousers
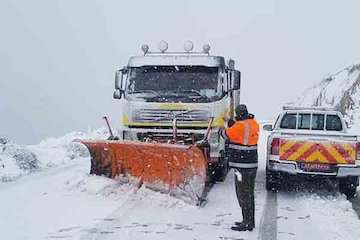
245,193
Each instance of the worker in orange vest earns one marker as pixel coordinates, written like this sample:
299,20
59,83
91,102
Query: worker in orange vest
242,137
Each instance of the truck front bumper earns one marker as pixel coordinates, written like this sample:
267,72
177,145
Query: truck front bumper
291,167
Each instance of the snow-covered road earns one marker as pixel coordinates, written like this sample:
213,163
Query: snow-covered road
64,202
43,204
316,216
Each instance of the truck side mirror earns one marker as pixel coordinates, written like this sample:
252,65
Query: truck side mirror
124,70
118,93
268,127
119,76
118,79
236,80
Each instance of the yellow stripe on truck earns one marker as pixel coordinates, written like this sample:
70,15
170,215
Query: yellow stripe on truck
316,156
335,153
327,152
296,155
285,147
350,149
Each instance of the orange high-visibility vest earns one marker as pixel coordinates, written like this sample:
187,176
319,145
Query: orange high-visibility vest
244,132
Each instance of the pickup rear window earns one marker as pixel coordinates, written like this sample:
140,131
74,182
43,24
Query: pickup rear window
304,121
317,122
311,121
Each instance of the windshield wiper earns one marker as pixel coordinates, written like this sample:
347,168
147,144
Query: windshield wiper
145,91
193,92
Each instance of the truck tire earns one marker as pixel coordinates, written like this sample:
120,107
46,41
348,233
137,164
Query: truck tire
273,180
348,186
222,168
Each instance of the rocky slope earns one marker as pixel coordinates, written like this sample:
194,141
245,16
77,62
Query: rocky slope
340,90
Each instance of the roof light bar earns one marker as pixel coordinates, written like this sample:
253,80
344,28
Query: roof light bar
163,46
206,48
188,46
318,108
145,48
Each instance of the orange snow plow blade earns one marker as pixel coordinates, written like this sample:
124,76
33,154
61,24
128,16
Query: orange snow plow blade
171,168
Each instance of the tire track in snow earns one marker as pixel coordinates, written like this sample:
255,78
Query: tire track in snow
313,211
268,223
157,216
101,229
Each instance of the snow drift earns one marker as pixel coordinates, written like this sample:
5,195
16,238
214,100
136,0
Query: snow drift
18,160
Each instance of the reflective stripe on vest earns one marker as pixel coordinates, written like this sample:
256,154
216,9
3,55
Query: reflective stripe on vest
240,147
243,165
246,133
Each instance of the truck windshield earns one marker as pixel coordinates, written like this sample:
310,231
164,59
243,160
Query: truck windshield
174,83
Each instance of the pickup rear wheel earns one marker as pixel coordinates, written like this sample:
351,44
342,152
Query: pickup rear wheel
348,186
273,180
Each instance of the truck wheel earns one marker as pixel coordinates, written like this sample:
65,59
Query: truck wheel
348,186
273,180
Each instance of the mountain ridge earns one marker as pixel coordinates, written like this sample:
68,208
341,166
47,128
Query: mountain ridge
340,91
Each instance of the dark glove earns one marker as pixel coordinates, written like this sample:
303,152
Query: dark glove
231,122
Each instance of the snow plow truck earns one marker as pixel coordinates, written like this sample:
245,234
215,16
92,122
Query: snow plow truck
172,106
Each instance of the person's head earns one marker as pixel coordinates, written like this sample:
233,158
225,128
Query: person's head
241,111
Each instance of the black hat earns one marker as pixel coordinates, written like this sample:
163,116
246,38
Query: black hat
241,110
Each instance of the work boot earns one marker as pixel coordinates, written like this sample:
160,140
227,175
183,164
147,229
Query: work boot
240,223
242,227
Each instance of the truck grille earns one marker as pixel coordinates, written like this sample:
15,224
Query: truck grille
161,137
159,115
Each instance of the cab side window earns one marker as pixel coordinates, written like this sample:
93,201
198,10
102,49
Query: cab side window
288,121
333,123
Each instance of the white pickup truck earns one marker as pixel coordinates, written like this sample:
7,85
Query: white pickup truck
313,142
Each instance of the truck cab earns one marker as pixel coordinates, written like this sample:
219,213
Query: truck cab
312,141
160,89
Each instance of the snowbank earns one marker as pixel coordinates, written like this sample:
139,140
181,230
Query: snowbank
18,160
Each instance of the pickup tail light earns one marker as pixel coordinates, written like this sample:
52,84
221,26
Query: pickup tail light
358,151
275,146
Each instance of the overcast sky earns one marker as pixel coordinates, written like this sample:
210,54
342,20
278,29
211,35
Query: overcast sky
58,57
